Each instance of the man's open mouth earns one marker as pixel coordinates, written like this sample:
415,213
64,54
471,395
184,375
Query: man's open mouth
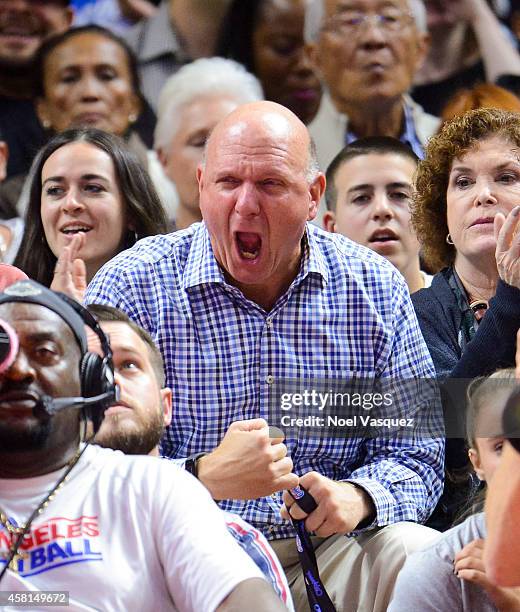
383,235
249,244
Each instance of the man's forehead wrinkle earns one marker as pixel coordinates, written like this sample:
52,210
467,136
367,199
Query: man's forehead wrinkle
243,153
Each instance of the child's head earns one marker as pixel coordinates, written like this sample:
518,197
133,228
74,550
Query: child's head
486,400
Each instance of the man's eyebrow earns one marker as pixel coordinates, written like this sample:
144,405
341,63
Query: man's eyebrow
360,187
368,186
127,349
399,185
41,336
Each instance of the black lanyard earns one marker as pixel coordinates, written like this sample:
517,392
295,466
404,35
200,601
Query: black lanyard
319,600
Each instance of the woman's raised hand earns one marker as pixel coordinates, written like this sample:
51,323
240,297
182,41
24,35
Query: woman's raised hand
70,273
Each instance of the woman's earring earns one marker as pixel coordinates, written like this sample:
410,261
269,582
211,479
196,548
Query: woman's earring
448,239
46,124
132,118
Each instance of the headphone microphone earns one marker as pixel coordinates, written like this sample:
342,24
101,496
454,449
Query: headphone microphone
52,405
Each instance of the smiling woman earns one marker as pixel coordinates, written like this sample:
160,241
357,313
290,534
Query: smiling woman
86,182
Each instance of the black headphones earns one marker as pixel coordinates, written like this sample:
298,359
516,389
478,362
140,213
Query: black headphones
96,372
98,388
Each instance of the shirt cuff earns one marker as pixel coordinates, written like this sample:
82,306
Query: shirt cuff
384,503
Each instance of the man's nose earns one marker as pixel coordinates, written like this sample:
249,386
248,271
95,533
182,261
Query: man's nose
382,208
371,34
20,370
247,201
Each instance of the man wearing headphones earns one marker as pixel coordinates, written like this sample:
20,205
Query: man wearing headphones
85,521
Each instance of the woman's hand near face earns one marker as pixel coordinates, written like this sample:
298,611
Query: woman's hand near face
469,565
70,273
507,253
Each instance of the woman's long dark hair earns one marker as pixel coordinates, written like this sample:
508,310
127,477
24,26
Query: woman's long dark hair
140,200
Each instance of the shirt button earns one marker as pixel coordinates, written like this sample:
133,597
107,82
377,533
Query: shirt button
269,379
269,323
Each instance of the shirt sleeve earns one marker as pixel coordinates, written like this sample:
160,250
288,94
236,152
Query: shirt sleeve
202,562
403,468
114,285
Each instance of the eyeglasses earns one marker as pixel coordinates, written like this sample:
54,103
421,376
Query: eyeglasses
351,22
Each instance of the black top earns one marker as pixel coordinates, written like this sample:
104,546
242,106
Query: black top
20,128
493,347
494,344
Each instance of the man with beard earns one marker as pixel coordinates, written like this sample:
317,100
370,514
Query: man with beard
87,521
136,424
24,25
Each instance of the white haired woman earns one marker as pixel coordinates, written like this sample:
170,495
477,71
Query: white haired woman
191,103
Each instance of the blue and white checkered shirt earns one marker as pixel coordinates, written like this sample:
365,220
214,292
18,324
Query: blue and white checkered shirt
347,313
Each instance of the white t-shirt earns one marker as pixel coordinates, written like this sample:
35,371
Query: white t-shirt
124,533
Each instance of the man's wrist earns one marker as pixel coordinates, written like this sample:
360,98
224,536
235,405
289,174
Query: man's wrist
368,512
205,474
191,464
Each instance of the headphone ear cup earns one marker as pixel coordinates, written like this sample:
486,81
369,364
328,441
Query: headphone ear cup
92,378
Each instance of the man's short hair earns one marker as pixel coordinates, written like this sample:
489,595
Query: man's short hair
378,145
105,314
315,12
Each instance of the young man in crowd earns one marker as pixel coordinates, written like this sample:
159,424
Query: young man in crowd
97,525
368,196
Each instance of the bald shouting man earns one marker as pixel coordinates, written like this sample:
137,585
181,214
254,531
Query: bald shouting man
255,299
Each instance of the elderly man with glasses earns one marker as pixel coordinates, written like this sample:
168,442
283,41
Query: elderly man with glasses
367,53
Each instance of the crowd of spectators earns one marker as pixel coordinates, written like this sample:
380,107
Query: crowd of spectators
268,205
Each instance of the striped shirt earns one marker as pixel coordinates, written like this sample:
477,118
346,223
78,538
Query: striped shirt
347,313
